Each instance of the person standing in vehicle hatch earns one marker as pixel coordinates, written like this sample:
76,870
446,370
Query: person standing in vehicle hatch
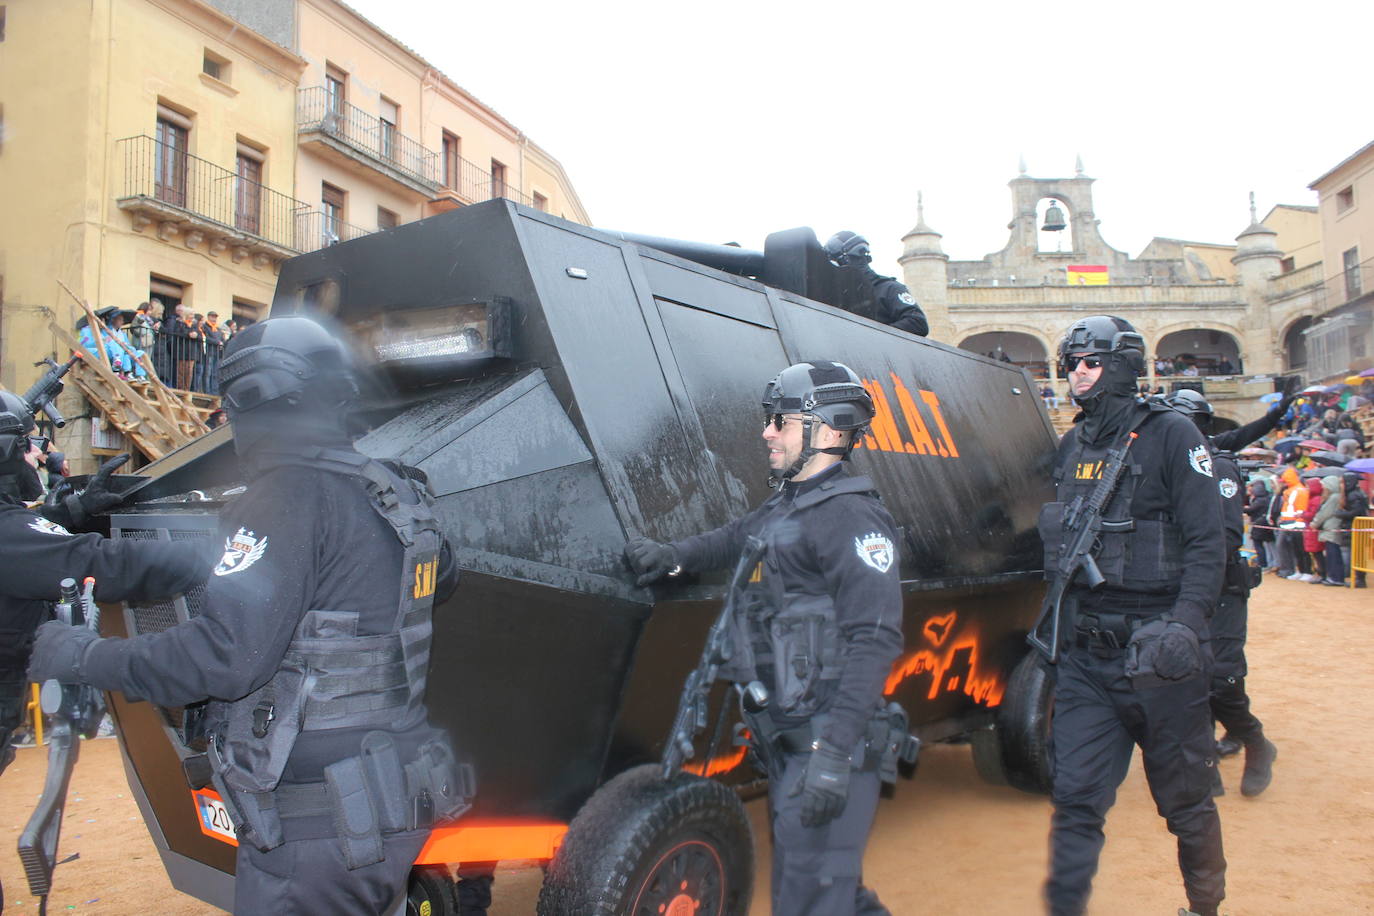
819,628
1133,668
312,644
892,303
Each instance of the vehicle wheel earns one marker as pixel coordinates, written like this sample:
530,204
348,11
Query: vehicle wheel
431,892
1023,726
987,755
645,847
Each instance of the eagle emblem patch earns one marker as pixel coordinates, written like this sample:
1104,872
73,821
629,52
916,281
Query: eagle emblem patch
906,298
875,550
1228,487
240,552
43,526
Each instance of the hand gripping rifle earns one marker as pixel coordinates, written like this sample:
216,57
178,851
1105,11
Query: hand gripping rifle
45,391
692,715
1081,526
72,710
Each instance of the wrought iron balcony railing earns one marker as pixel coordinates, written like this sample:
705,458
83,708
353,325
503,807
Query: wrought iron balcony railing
473,183
167,175
366,133
316,229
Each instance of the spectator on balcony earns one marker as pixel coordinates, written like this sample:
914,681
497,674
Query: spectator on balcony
130,364
87,335
1049,397
208,367
183,341
1225,368
143,327
1162,366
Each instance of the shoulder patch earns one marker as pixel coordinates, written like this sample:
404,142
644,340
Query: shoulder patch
240,552
875,550
1229,487
1200,460
43,526
906,298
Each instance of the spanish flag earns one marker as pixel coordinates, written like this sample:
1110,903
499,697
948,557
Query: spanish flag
1087,274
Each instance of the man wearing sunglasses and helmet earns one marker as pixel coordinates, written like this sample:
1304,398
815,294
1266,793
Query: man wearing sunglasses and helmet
1133,660
818,629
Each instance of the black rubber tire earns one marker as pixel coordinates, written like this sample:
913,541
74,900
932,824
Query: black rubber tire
1023,726
987,755
430,892
645,847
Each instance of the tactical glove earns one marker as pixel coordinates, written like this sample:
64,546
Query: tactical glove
824,786
1290,394
60,652
73,509
650,560
1179,655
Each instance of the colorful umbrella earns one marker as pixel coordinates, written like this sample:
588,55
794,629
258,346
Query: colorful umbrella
1317,444
1272,397
1333,458
1258,453
1368,373
1360,465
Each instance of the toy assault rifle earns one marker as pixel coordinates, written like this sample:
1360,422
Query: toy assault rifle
692,714
45,391
1082,524
72,710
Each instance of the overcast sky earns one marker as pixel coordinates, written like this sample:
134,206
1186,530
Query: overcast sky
723,122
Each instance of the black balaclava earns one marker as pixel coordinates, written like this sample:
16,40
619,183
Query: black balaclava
19,480
1110,402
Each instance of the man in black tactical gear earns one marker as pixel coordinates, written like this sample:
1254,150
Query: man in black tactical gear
1230,703
819,627
312,644
40,551
1241,436
1132,669
891,302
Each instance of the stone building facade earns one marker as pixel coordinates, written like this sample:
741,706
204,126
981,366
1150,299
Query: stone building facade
1236,328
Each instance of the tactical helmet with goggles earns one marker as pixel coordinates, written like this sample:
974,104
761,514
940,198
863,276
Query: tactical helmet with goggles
823,391
848,249
18,479
1102,335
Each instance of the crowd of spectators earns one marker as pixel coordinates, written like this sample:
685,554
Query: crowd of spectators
183,346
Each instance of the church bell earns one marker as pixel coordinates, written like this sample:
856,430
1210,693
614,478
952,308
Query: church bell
1054,219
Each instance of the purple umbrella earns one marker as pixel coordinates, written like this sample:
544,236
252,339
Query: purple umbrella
1360,465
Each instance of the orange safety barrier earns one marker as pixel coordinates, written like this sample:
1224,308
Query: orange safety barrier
493,840
1362,544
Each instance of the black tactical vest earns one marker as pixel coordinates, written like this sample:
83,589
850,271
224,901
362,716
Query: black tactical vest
330,677
1137,554
783,635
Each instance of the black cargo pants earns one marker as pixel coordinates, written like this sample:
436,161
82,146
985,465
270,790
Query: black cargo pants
1230,704
1099,718
817,870
310,877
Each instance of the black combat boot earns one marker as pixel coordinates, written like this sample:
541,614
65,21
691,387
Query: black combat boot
1198,909
1259,766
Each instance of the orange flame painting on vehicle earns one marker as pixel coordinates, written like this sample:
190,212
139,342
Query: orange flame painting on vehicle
951,662
925,438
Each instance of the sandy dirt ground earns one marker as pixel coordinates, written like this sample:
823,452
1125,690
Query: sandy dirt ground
947,843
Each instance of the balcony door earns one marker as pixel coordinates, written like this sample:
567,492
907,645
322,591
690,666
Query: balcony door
248,191
169,168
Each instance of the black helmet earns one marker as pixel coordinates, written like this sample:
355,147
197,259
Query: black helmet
18,479
286,384
1192,405
848,249
819,390
283,358
1103,334
830,391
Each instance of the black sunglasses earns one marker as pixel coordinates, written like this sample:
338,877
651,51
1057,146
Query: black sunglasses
1092,361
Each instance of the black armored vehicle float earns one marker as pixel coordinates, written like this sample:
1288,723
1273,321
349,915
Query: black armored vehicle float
566,388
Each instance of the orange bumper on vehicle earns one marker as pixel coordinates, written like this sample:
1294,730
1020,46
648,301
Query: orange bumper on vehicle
493,840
